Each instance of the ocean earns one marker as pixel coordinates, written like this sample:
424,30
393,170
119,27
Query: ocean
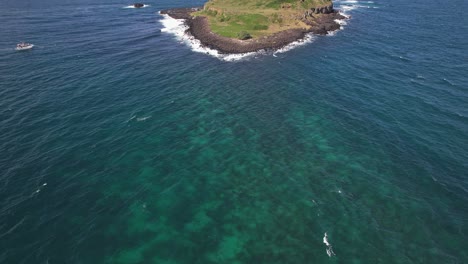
123,141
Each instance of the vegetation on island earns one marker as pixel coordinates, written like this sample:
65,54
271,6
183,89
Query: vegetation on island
244,19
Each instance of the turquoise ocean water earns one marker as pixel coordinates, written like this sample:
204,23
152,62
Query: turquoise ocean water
120,144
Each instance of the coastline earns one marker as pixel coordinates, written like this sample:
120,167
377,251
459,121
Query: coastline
199,28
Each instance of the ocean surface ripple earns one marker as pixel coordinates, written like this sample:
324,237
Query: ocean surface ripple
120,144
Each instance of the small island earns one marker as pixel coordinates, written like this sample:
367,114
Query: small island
241,26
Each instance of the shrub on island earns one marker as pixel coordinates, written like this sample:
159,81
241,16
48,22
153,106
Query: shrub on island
243,35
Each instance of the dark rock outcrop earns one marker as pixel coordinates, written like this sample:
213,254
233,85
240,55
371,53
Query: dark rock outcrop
324,23
322,10
181,13
138,5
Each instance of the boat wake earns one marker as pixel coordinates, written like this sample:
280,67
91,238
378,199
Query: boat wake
132,6
329,246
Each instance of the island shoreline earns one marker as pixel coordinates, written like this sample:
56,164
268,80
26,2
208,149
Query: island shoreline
199,28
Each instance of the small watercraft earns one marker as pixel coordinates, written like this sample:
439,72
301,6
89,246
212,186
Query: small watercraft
24,46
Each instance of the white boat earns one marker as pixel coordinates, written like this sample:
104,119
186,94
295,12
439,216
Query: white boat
24,46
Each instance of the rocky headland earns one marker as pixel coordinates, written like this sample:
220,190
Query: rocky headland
318,20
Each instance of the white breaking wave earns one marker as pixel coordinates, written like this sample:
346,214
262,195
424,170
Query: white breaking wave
131,6
309,38
341,22
348,2
345,7
329,249
178,28
348,5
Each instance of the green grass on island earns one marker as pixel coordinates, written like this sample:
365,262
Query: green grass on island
245,19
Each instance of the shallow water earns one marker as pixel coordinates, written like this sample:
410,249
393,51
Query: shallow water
120,144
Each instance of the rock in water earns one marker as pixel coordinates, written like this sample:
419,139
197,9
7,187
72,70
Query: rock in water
138,5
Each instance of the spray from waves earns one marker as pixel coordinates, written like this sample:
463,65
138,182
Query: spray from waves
178,28
132,6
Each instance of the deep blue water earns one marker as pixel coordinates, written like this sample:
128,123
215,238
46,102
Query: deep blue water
119,144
